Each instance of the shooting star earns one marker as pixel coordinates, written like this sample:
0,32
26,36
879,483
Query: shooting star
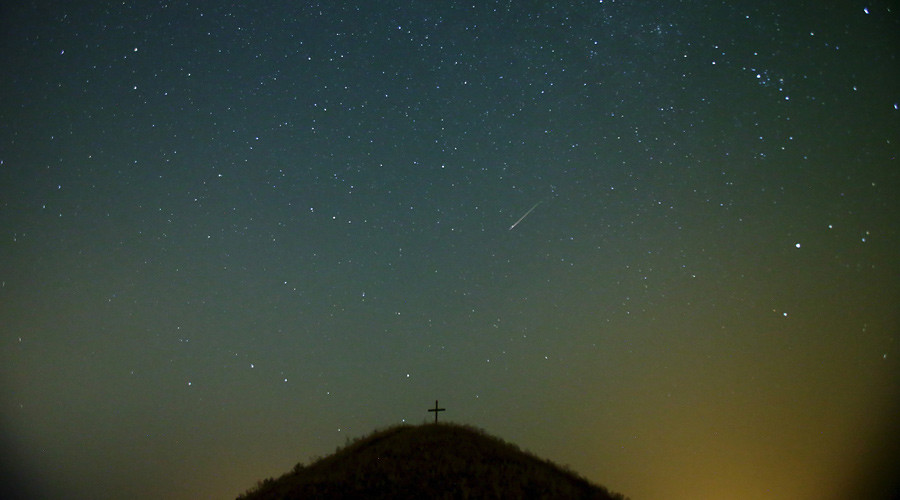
523,217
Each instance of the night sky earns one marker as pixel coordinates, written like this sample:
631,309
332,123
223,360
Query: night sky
233,237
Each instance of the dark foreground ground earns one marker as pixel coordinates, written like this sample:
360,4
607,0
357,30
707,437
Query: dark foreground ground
429,461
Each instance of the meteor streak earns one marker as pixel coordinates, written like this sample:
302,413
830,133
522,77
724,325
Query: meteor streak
516,223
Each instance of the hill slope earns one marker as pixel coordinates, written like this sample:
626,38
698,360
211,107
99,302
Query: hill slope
429,461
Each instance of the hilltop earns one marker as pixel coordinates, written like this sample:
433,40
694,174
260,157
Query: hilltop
429,461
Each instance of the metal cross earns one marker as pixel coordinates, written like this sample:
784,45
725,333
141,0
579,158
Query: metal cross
436,410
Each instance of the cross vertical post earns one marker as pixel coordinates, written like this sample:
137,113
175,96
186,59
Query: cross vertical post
436,410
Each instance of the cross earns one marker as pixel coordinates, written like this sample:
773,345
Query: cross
436,410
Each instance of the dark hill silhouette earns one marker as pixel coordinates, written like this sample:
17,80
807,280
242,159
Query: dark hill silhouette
429,461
